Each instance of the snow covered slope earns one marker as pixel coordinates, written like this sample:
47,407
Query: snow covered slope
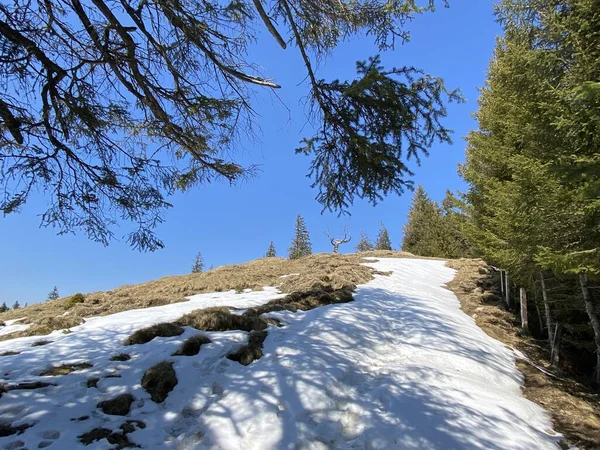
401,367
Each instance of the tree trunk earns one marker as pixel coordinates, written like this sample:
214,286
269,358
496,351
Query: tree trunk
555,345
549,323
594,319
502,282
524,319
507,290
537,308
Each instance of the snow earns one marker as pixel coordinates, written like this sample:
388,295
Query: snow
11,326
401,367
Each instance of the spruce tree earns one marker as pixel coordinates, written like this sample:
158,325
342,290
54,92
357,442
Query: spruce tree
53,295
271,253
301,245
422,230
4,307
364,244
383,239
16,305
198,265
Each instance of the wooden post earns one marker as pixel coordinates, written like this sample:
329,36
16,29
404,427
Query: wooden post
507,290
502,282
594,320
555,346
549,323
524,320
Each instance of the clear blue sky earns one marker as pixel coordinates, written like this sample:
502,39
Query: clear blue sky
235,224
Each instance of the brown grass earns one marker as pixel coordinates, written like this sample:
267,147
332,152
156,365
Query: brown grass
41,342
64,369
303,301
145,335
118,406
120,357
7,430
10,353
252,351
120,440
191,346
324,269
159,380
220,319
575,407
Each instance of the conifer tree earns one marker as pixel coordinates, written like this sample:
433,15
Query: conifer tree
4,307
53,294
16,305
364,244
301,245
383,239
271,253
422,230
198,265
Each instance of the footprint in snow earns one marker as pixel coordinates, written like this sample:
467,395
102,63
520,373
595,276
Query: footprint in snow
48,436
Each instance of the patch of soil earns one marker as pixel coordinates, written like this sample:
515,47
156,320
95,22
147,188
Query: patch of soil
118,406
65,369
10,353
120,357
159,380
575,407
159,330
40,343
252,351
191,346
92,382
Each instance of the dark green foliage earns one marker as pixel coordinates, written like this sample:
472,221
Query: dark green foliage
533,164
364,244
191,346
4,307
203,103
198,265
159,330
53,294
383,239
271,253
437,231
75,300
16,305
159,380
251,351
301,245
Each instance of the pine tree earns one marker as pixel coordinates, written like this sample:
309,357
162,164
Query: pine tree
16,305
53,295
271,253
198,265
364,245
4,307
422,230
301,245
383,239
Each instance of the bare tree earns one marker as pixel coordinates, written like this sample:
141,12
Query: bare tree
337,242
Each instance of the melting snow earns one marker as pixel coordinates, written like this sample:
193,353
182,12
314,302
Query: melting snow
401,367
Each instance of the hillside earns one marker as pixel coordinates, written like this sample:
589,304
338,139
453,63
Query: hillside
397,364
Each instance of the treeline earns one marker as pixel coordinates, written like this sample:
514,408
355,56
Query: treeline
533,169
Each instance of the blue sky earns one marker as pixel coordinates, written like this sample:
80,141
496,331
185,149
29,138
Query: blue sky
233,224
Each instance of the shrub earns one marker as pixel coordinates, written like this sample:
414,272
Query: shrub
74,300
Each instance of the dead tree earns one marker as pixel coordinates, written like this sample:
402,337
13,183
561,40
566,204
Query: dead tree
337,242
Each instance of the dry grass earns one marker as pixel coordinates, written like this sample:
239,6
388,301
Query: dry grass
191,346
220,319
159,330
303,301
64,369
7,430
10,353
326,269
118,406
120,357
252,351
40,343
119,440
574,406
159,380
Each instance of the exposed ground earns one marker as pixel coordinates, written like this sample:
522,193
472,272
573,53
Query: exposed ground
323,269
575,407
